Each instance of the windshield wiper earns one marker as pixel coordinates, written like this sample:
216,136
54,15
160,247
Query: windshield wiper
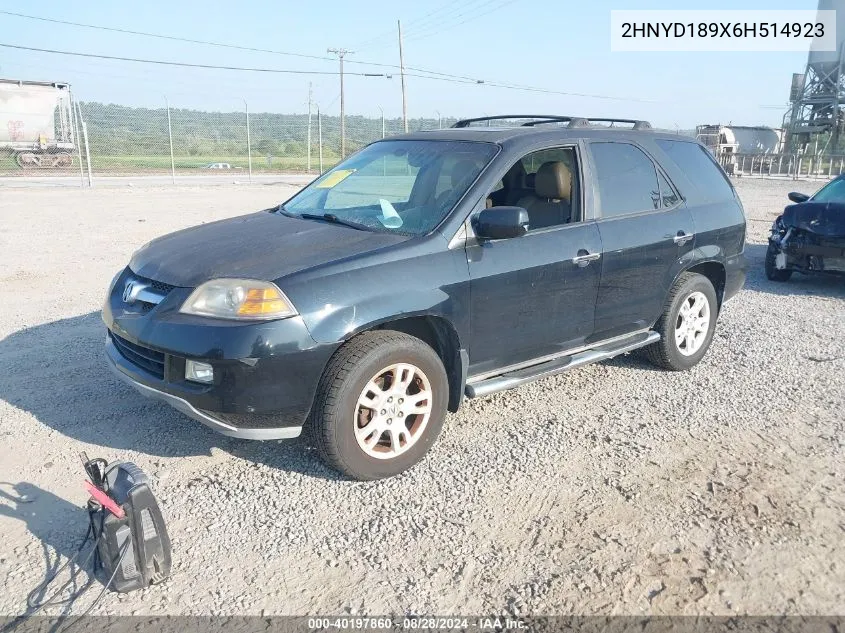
331,217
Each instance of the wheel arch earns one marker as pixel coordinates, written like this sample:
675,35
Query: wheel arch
440,334
714,270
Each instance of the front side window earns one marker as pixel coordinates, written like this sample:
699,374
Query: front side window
626,179
544,183
395,186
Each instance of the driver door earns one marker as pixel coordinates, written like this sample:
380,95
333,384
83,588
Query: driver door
535,296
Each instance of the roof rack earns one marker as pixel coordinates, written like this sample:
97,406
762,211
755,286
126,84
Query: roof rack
501,117
571,121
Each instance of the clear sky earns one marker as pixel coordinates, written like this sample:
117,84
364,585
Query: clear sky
560,45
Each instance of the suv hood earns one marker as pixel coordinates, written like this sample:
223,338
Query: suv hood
261,245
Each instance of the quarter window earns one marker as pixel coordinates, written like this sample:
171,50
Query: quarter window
626,179
699,166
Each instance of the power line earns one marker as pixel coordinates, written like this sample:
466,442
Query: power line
205,42
321,72
186,64
434,74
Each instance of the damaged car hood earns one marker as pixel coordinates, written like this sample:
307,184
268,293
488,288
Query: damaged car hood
260,245
826,219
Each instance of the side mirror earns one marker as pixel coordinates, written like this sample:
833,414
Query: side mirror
797,197
498,223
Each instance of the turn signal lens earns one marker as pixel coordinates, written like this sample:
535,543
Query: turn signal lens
262,301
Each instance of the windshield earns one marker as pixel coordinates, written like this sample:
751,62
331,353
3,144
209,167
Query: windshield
834,191
395,186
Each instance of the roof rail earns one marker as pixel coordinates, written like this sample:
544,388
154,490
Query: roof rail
636,124
571,121
501,117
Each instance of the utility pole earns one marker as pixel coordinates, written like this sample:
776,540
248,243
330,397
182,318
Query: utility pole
308,168
402,74
341,53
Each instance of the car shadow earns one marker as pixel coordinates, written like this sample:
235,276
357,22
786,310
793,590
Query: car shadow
798,284
58,373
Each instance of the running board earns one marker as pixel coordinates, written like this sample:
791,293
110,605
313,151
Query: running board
601,352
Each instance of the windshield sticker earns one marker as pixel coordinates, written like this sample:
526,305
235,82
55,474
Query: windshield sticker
334,178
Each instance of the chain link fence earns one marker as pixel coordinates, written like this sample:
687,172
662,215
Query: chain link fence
118,140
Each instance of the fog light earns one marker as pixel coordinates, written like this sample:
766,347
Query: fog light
199,372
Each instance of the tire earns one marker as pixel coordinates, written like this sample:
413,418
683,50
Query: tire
772,272
366,369
668,352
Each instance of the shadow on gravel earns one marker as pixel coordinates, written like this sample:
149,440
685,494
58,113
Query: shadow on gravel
798,284
58,373
47,517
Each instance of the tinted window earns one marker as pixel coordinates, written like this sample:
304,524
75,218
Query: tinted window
700,168
626,179
667,195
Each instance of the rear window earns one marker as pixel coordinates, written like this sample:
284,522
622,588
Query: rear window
700,168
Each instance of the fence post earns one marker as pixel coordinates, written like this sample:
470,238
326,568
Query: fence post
320,137
85,140
77,139
170,138
87,152
248,142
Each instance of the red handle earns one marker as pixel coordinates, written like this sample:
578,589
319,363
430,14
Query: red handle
105,500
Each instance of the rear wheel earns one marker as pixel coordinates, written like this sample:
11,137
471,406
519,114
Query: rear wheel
380,405
772,271
687,324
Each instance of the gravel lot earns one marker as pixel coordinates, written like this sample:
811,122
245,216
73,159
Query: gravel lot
615,489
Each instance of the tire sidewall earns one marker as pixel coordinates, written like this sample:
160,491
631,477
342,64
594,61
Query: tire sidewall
695,284
343,418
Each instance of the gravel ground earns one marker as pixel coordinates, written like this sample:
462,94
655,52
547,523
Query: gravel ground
614,489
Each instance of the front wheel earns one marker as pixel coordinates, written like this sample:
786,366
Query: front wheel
687,324
380,405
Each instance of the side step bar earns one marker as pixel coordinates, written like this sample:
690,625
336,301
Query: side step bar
601,352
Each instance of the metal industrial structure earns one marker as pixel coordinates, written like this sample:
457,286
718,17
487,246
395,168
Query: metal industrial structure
818,96
37,123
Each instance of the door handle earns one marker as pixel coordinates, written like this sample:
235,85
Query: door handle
682,238
583,258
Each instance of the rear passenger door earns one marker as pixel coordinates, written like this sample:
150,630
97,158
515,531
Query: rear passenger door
646,232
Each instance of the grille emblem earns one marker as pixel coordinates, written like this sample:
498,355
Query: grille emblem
130,291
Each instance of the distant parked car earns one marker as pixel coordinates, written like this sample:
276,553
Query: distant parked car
809,236
369,304
217,166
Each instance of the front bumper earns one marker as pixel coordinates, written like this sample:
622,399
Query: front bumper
265,373
207,418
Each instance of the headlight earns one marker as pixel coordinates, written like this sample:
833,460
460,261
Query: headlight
238,299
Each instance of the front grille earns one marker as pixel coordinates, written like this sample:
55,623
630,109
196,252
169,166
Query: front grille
160,286
144,357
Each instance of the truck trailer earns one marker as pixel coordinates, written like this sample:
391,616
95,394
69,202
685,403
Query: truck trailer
36,123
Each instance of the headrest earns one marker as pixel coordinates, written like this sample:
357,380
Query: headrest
554,181
530,179
461,170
